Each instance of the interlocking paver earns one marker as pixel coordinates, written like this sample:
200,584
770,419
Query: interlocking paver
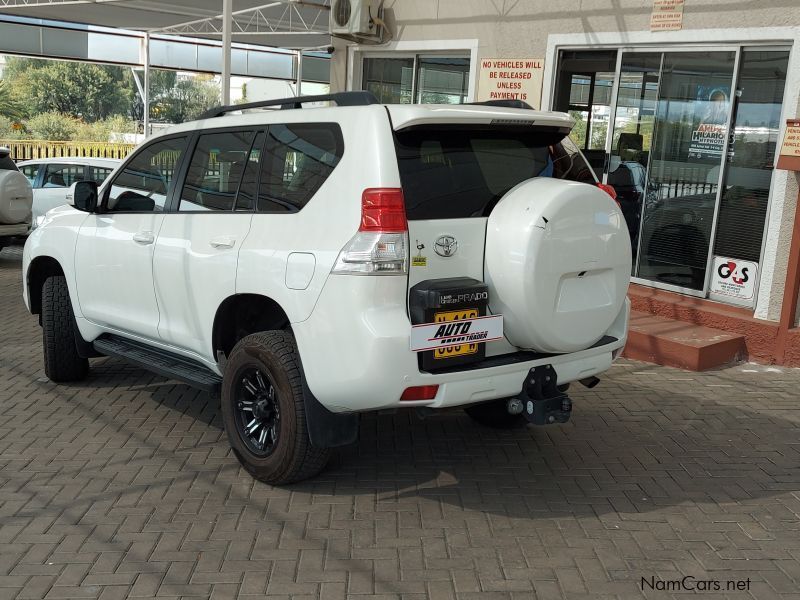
124,486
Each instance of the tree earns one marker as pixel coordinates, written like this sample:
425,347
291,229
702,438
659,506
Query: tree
185,99
10,106
52,126
84,90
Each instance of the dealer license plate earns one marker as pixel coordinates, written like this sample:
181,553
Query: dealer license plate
456,333
461,349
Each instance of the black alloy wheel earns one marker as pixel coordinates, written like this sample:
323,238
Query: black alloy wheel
258,412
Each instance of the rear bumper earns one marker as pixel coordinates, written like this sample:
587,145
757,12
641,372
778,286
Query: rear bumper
356,357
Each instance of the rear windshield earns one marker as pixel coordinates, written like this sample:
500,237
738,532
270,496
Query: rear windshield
451,173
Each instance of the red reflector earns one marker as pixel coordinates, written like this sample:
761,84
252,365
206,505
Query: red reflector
420,392
383,209
608,189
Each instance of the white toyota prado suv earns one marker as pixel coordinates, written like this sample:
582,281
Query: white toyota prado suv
311,264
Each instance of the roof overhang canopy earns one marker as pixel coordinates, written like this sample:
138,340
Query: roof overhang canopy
279,23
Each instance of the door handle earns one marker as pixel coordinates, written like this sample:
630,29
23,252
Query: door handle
144,237
223,243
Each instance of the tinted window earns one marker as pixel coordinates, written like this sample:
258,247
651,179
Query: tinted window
218,162
297,161
59,176
456,173
248,188
30,171
143,184
99,174
569,163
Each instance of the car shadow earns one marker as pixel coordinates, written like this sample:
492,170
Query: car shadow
616,456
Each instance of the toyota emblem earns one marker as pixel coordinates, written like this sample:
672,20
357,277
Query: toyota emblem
445,245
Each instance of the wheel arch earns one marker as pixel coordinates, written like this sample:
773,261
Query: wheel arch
242,314
39,270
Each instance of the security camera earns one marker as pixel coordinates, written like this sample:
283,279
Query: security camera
330,49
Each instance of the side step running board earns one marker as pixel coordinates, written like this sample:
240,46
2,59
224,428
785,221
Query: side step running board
159,361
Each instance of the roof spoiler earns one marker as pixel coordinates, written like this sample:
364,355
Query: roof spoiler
505,104
341,99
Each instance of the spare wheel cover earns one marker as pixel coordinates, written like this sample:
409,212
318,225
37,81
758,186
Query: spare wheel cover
558,264
15,198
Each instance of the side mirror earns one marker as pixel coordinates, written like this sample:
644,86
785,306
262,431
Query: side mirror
83,196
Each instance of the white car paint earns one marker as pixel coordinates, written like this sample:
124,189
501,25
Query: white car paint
50,196
160,278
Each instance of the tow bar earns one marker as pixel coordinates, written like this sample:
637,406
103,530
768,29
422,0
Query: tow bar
540,400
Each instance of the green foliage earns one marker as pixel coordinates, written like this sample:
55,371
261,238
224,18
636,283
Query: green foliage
104,131
89,102
186,99
81,89
10,106
10,130
52,126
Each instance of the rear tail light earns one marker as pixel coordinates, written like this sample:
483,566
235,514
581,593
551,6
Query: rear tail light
420,392
383,209
381,245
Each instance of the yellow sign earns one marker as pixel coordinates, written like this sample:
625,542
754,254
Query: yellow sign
511,79
667,15
791,141
461,349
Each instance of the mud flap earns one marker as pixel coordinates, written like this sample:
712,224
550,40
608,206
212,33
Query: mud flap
542,402
327,429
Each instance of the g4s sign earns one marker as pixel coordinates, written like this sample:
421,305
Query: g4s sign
734,278
730,270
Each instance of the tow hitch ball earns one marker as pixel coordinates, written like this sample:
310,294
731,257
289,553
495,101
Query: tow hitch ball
540,400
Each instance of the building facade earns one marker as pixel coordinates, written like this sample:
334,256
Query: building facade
685,123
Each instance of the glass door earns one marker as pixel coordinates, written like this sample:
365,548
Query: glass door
632,135
689,142
744,197
687,138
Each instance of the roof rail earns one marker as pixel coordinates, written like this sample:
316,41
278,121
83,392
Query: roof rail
505,103
341,99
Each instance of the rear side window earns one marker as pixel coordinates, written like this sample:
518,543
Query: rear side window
450,173
298,159
99,174
213,178
59,176
31,171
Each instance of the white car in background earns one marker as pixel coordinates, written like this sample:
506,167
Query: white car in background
51,179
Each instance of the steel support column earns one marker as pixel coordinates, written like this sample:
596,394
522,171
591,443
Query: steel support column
227,22
146,86
299,84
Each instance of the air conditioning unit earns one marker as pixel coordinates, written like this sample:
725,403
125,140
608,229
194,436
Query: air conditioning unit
358,20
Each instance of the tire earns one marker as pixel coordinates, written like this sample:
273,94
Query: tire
264,411
494,414
62,362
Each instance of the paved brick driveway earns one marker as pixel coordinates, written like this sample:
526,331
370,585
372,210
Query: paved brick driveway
124,486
